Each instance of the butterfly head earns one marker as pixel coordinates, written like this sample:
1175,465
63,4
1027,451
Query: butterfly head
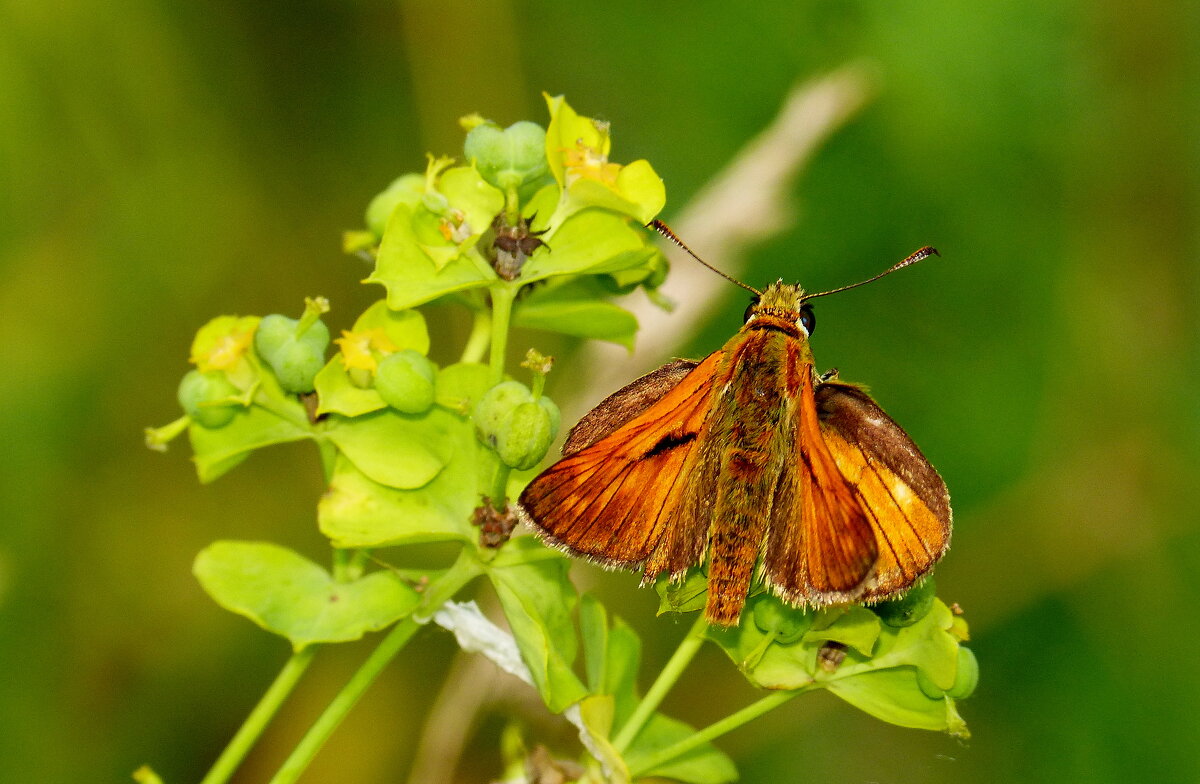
783,301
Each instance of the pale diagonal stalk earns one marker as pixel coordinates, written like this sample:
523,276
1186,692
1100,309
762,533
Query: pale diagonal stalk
439,591
662,684
716,730
248,734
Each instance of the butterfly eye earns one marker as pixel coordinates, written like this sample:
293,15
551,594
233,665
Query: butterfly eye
750,310
808,319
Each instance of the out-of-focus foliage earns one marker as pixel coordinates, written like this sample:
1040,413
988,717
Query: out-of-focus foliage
162,161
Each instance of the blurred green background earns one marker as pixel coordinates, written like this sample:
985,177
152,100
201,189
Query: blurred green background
163,162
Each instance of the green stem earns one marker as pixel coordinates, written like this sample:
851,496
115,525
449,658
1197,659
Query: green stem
662,684
437,593
480,337
328,721
500,486
512,205
716,730
503,295
258,719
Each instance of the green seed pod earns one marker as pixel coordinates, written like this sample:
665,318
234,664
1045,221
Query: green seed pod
495,409
508,158
909,608
275,332
404,190
527,437
787,624
405,381
967,677
294,357
198,393
552,410
296,365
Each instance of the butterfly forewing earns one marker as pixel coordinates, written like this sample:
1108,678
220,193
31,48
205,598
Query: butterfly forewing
613,500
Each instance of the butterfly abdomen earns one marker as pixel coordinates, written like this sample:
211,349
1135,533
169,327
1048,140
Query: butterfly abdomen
746,425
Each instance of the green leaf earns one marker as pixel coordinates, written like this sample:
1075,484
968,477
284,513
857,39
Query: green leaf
217,451
357,512
593,630
287,594
577,308
405,328
337,394
477,200
679,596
394,449
927,645
591,241
538,599
409,273
854,626
879,672
568,129
894,696
459,387
638,193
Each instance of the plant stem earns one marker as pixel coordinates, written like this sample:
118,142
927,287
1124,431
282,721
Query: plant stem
512,205
716,730
503,295
480,337
500,487
260,717
662,684
437,593
329,720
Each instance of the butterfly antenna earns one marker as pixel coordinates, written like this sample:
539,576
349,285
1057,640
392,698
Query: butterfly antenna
665,230
923,253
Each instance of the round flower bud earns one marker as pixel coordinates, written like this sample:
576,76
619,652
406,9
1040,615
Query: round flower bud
405,381
527,437
293,358
198,395
909,608
966,678
788,624
552,410
296,364
508,158
495,409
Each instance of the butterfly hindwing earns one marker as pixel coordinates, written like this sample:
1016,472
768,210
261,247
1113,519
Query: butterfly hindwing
906,501
820,546
614,496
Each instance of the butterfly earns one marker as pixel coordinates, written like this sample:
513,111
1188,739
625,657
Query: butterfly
749,463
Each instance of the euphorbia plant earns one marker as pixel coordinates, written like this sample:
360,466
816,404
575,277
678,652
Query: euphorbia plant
539,229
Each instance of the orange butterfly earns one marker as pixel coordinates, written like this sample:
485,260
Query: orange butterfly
749,460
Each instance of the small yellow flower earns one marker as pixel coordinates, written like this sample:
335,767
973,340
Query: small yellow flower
454,228
359,349
586,162
214,351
